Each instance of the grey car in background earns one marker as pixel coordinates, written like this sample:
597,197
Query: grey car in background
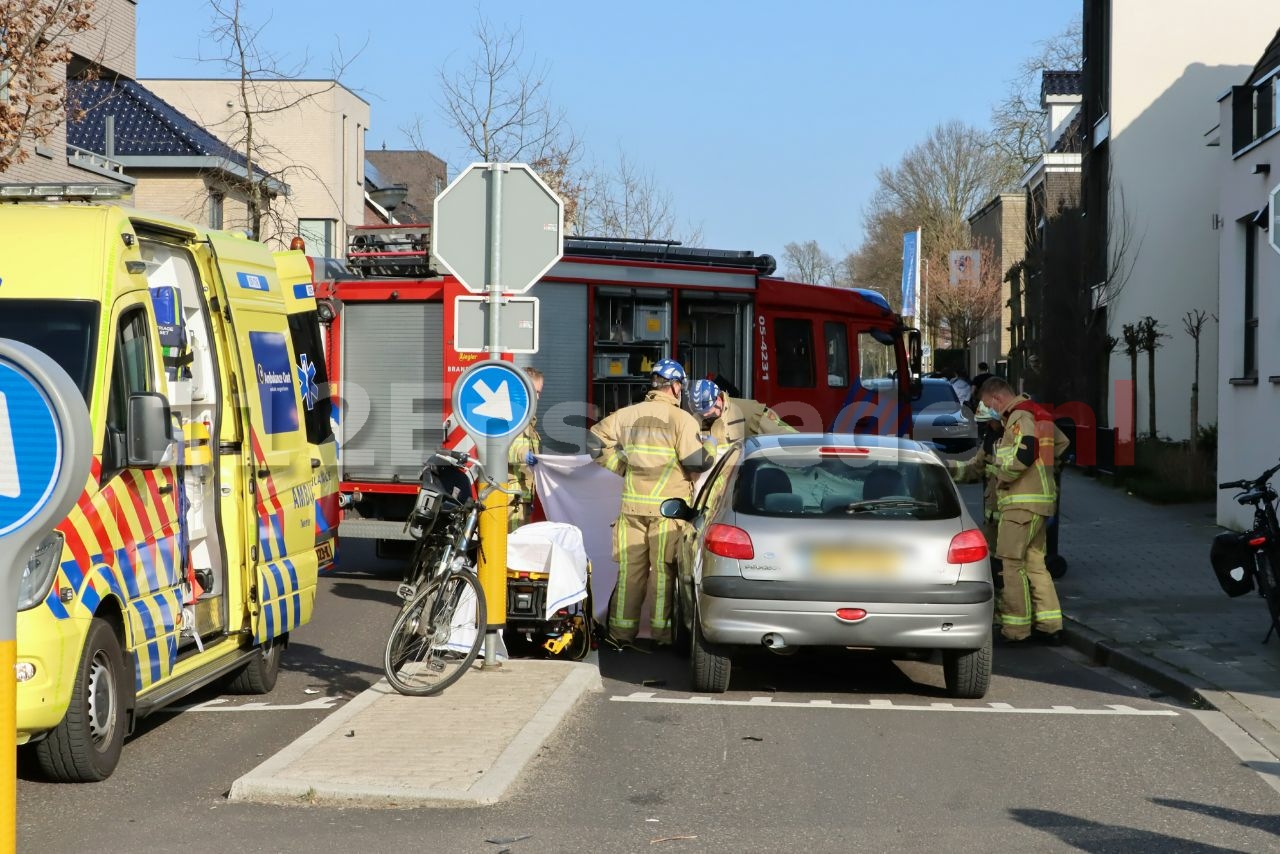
833,540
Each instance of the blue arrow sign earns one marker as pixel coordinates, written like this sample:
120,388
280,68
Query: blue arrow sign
492,401
30,448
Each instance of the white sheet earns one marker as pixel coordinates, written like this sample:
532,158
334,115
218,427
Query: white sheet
555,548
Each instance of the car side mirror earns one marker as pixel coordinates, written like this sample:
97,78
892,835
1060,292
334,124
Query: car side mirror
148,437
676,508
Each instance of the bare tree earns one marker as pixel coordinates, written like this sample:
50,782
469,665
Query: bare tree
627,201
936,186
35,47
1017,121
807,262
265,88
966,310
501,106
1193,322
1151,339
1132,347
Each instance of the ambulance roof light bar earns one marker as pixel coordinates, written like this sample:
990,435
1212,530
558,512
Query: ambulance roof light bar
64,192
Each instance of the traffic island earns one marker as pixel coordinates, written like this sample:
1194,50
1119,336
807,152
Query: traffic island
461,748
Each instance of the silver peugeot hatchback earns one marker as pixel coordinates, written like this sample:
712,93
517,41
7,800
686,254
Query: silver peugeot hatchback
833,540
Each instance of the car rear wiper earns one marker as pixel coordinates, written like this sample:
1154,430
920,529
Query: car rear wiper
889,504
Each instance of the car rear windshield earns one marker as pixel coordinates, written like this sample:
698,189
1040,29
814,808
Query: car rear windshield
852,488
64,330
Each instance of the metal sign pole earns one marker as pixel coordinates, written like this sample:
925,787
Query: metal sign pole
45,452
493,521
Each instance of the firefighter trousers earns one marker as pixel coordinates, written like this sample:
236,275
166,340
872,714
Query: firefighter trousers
645,549
1029,598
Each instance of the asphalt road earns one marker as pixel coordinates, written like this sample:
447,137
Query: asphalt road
829,752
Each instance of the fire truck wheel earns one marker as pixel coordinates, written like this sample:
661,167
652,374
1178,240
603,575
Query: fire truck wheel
85,746
259,675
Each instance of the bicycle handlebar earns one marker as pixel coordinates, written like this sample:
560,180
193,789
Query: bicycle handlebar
1246,484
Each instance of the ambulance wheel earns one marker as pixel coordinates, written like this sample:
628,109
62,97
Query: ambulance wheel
710,668
1057,565
85,746
259,675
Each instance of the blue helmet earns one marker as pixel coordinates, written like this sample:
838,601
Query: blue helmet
670,370
703,395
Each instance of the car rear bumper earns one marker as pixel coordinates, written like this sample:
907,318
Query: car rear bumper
741,612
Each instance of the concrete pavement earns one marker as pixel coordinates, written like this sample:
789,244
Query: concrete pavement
464,746
1141,597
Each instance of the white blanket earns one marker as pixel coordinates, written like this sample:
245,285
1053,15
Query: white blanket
554,548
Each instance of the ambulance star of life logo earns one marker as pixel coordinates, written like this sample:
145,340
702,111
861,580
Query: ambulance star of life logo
307,382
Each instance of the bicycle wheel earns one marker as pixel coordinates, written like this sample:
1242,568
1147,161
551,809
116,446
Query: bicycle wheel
437,636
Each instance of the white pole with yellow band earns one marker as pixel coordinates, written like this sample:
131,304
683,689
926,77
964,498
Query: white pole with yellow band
45,452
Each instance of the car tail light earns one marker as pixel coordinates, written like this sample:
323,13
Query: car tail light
967,547
1258,541
728,541
851,615
833,451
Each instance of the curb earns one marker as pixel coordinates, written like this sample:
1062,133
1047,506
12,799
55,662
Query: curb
1102,650
270,782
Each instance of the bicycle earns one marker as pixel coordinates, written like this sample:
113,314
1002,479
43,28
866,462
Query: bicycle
1242,560
428,649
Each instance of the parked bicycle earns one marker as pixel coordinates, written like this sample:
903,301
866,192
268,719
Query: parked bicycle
441,625
1242,561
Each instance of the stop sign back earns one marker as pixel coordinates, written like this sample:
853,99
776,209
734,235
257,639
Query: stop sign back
530,221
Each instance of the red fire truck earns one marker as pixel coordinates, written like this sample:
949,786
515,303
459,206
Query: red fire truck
609,310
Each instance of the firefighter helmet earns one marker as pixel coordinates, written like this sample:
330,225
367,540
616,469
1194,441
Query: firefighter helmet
670,370
703,395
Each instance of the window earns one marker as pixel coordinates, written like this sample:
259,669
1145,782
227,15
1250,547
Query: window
1250,300
798,482
359,167
313,379
837,335
319,235
216,199
131,370
876,359
439,184
795,352
64,330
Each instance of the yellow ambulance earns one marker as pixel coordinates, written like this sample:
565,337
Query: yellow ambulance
186,560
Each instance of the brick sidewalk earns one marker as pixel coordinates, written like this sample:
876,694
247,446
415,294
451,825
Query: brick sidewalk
1139,577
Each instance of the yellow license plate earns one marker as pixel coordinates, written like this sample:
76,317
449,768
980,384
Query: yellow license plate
324,553
841,561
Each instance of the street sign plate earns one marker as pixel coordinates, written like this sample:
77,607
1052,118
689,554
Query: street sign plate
30,447
493,401
1273,232
518,318
531,223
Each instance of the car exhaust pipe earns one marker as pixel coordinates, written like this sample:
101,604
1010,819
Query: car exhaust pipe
773,640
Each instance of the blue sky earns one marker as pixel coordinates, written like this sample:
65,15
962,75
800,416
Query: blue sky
764,121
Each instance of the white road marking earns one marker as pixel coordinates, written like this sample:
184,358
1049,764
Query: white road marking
221,704
889,705
1243,745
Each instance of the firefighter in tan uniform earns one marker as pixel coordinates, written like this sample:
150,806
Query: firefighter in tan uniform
654,445
521,459
733,419
1026,496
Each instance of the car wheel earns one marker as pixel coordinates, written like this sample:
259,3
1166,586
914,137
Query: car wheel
710,669
967,672
85,746
259,675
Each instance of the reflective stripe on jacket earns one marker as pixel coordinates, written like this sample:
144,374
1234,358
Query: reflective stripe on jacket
519,474
654,445
1024,459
